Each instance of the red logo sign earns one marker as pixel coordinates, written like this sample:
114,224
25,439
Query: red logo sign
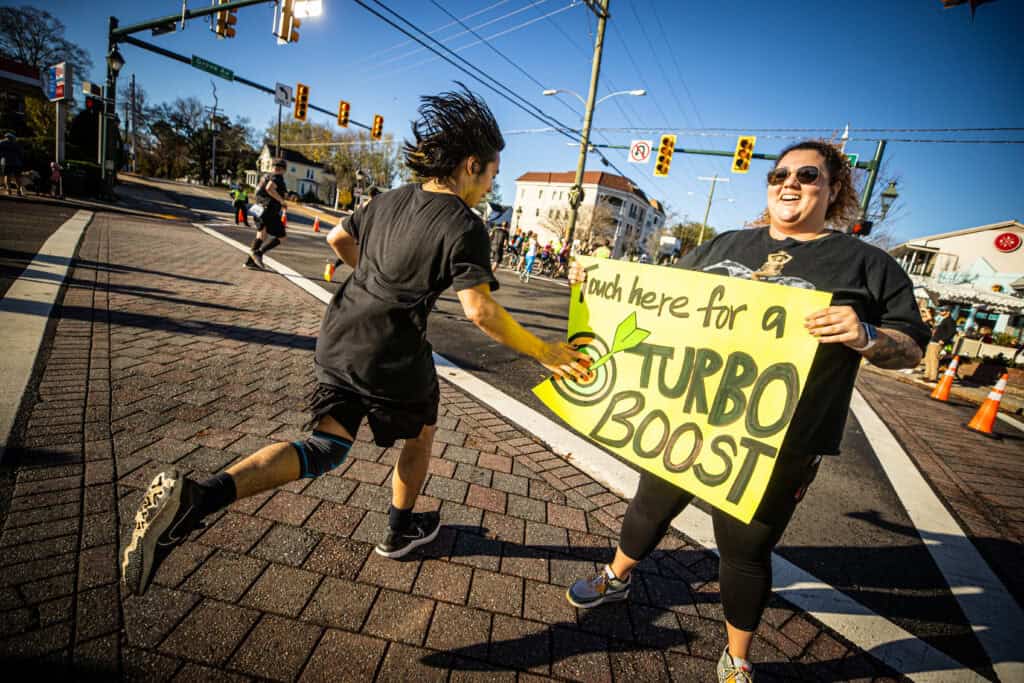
1008,242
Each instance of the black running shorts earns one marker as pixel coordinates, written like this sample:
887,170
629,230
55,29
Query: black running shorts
389,421
271,222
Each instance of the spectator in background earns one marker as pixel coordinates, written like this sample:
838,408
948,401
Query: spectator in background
55,188
11,161
603,250
499,240
942,334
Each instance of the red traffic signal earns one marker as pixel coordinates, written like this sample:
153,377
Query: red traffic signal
861,228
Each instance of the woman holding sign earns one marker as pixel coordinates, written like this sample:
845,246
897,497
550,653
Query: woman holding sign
873,316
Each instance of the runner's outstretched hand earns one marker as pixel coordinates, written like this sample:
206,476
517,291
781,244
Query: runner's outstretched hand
564,361
576,273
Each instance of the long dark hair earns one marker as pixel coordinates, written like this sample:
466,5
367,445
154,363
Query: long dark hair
846,206
452,126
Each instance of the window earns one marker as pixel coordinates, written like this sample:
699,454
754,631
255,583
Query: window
540,194
538,213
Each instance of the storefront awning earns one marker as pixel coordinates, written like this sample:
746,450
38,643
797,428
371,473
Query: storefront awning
970,295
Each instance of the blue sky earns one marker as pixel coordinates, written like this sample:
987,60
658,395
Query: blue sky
726,64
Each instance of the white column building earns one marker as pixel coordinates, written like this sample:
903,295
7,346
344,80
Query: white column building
542,205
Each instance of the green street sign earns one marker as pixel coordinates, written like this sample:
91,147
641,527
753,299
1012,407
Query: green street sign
211,68
853,159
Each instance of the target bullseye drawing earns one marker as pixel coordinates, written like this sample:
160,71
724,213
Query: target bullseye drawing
602,379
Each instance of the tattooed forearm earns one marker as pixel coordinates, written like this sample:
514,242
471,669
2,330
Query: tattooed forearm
893,351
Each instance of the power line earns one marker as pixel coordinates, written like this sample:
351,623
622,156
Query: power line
517,27
376,53
724,134
451,38
499,89
503,56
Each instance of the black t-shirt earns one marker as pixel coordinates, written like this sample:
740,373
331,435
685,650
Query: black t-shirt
944,331
499,238
266,200
413,245
858,274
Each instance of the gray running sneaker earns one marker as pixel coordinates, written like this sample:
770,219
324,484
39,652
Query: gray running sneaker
734,670
422,529
605,587
166,516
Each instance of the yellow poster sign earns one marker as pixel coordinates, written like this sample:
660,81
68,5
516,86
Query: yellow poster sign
695,377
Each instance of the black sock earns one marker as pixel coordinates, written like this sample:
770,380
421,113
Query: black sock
256,244
399,520
216,493
269,245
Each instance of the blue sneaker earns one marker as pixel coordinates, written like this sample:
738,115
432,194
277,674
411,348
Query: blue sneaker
605,587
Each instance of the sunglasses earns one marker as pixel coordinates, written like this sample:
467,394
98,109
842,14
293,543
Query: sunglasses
805,175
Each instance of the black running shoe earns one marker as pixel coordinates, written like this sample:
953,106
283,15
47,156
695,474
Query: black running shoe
422,529
166,516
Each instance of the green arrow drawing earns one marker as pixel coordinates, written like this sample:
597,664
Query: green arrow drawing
627,335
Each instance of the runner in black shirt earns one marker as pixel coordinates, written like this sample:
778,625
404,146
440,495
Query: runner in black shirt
373,360
270,194
873,315
499,239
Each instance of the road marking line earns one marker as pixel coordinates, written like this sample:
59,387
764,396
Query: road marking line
997,619
883,639
25,311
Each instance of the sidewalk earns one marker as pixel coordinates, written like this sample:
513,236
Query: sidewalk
166,351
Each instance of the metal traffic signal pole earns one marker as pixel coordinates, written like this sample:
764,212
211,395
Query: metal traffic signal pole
869,187
576,192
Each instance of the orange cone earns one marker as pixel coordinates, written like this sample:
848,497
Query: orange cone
284,217
241,216
941,391
986,416
316,224
329,272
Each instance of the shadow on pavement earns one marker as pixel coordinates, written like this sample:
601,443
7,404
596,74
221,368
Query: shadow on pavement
95,265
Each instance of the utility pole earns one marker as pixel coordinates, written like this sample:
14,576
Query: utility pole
872,177
277,155
711,195
600,8
134,121
213,129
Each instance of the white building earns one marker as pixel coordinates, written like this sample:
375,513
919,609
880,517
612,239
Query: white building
302,174
978,271
542,205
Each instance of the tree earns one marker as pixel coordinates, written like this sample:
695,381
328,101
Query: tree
689,233
35,37
592,223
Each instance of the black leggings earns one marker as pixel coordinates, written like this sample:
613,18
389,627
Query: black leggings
745,567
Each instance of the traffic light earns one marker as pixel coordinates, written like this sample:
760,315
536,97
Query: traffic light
225,21
861,228
288,24
378,127
301,101
343,108
664,160
93,94
743,154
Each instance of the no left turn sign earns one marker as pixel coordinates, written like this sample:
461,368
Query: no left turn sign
640,151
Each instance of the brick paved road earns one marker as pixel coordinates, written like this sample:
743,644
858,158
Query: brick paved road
167,352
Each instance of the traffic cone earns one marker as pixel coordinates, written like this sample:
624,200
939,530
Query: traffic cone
986,416
329,272
941,391
316,224
284,217
241,216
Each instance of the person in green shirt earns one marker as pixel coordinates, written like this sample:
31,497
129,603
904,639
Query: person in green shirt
241,204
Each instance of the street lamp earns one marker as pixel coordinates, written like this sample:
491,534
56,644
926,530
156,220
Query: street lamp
576,191
889,196
115,61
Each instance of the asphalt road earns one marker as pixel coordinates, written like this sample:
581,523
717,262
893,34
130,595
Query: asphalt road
851,531
24,228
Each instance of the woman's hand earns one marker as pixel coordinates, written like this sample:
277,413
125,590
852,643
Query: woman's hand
577,275
564,361
837,325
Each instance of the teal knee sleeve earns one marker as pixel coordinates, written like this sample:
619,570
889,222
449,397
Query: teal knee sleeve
320,453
